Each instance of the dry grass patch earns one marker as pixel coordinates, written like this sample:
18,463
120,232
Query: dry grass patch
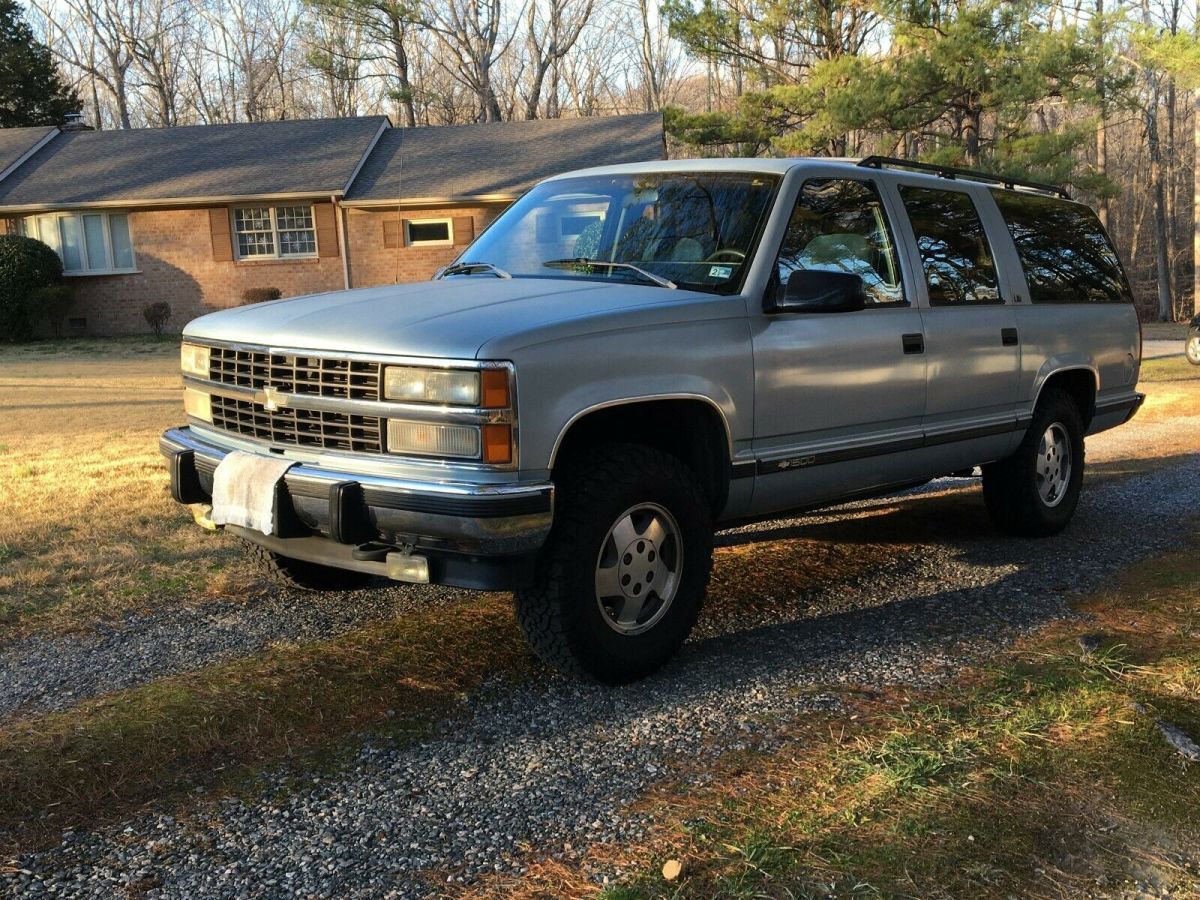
87,527
1165,429
1172,388
100,761
1032,777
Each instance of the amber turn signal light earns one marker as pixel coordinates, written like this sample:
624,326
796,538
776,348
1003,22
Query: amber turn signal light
497,443
494,389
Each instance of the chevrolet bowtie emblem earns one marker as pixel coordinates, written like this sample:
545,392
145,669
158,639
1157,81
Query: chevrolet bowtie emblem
270,398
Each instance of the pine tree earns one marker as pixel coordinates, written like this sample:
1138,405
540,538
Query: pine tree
963,82
32,91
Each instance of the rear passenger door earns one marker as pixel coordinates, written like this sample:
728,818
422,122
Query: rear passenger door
972,346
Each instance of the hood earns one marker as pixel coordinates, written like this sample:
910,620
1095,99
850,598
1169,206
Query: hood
451,319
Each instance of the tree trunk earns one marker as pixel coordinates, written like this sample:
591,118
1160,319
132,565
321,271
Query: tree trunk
652,92
1196,202
1101,125
971,137
98,122
1160,203
400,60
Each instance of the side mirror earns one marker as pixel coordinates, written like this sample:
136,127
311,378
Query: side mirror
820,291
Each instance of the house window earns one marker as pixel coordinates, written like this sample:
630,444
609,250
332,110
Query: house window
430,232
88,243
274,232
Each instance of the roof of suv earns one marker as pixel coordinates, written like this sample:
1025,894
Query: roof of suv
779,166
722,164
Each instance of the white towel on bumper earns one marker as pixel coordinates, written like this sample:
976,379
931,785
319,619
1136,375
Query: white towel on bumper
244,490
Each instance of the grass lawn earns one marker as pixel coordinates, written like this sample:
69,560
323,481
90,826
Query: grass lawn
88,530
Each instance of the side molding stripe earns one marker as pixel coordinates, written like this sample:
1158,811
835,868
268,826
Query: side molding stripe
807,460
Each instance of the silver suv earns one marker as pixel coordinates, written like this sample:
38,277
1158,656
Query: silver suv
631,357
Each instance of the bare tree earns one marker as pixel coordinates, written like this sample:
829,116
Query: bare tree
474,35
1150,112
386,31
551,33
659,59
336,50
249,42
156,36
88,36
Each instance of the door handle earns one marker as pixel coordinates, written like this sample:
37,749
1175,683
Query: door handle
1008,337
913,343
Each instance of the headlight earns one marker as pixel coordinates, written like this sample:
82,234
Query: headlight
412,384
197,404
488,388
194,359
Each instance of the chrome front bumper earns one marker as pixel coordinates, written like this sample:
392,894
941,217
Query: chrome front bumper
352,508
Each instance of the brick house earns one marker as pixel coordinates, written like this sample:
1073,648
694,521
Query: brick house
197,215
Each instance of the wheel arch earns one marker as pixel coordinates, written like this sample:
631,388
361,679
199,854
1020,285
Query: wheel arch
1081,382
668,422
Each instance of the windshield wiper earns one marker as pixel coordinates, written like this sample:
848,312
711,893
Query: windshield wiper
464,268
585,261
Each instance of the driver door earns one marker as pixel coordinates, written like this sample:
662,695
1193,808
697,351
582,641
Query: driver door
840,396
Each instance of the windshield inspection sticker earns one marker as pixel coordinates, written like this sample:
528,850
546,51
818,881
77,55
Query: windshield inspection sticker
720,271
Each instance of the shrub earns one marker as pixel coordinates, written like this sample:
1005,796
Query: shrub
26,266
156,315
54,301
260,294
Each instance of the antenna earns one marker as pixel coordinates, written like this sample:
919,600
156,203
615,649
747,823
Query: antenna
399,203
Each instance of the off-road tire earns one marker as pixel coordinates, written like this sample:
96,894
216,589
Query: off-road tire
560,614
1191,349
300,574
1010,487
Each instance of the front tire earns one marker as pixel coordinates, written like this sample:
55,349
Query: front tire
1034,492
1191,349
624,571
299,574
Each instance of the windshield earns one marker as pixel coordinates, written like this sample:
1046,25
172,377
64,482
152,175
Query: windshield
693,230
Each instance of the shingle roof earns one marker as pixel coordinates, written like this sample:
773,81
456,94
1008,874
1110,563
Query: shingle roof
314,156
16,142
454,162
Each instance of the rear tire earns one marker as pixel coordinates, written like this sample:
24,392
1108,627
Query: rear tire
624,570
299,574
1034,492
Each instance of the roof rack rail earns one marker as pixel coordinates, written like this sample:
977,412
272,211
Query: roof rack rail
880,162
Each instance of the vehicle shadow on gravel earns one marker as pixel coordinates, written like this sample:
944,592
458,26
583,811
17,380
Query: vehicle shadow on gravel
950,575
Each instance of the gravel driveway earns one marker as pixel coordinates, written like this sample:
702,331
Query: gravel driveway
548,767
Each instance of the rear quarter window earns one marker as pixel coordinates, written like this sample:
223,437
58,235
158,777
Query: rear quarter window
1064,250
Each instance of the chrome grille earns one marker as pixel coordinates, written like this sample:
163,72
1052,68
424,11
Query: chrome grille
296,374
299,427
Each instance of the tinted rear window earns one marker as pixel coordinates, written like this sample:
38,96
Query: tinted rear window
959,270
1063,249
